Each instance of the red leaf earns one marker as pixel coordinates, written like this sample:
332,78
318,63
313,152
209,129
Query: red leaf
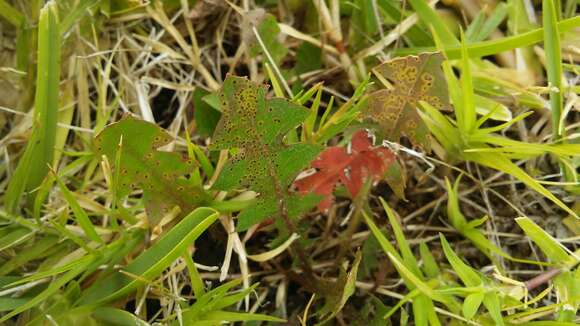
353,169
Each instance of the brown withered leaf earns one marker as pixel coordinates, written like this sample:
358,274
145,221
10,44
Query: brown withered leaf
413,79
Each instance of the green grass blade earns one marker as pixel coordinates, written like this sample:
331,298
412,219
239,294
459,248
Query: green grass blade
492,303
81,216
466,274
221,316
11,14
408,297
67,234
491,47
196,281
468,97
549,323
348,290
471,304
225,301
442,128
84,261
13,237
491,109
567,286
39,249
211,299
204,162
430,16
406,252
474,28
39,153
114,316
49,291
153,261
550,14
469,229
310,121
509,121
79,10
416,34
551,248
383,241
7,304
422,306
420,285
501,163
495,19
429,263
553,65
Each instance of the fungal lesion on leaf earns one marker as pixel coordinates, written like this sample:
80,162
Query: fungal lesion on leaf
410,80
143,165
256,126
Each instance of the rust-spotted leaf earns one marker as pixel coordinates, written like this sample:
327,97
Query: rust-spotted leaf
161,175
255,127
413,79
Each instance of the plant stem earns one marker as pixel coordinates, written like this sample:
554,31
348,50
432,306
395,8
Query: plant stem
542,278
354,221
